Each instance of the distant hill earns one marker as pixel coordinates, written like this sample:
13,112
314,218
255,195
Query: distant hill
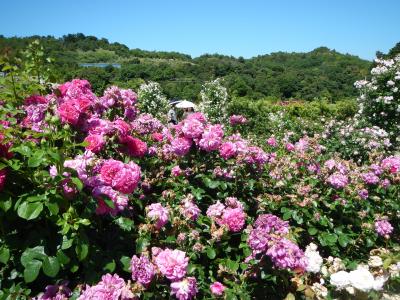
316,74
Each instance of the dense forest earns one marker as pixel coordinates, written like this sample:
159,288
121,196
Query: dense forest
321,73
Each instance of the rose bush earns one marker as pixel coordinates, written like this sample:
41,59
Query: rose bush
101,201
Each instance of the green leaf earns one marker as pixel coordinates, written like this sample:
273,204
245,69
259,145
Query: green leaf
232,265
23,149
66,243
5,205
36,159
109,202
32,253
51,266
211,253
110,267
4,255
31,271
126,263
343,240
62,257
312,230
141,244
53,208
78,183
212,184
30,211
124,223
82,250
287,215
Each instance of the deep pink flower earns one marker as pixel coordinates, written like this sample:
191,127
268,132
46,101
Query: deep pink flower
233,218
157,136
185,289
158,213
122,177
95,142
228,150
289,147
181,146
134,146
121,127
172,263
272,142
120,201
68,113
176,171
211,138
142,270
217,288
391,163
3,174
192,128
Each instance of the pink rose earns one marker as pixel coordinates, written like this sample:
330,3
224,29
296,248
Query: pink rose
217,288
172,263
96,142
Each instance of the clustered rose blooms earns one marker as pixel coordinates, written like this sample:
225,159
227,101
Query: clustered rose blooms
111,287
237,119
185,289
112,125
232,216
269,238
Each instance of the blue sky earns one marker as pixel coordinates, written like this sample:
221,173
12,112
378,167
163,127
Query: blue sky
240,28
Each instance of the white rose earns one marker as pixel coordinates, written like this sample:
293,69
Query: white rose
340,279
362,279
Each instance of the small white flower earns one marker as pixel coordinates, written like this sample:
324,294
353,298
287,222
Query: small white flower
375,261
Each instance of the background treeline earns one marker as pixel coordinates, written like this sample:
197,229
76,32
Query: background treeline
319,74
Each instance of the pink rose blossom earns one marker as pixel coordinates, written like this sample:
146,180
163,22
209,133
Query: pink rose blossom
111,287
237,119
228,150
192,128
172,263
134,146
176,171
383,228
142,270
95,143
181,146
158,213
122,177
272,142
217,288
233,218
185,289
